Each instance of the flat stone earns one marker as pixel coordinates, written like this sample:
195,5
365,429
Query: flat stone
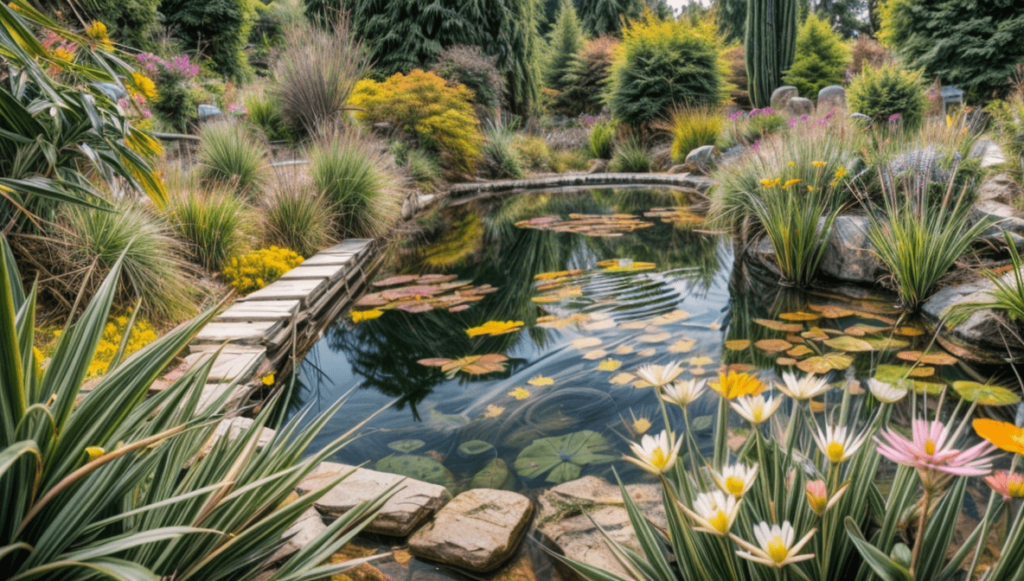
861,119
305,291
327,260
984,333
414,502
566,526
354,246
598,166
782,96
214,391
231,429
246,333
251,311
702,160
831,97
231,364
478,530
1000,188
305,530
799,106
331,272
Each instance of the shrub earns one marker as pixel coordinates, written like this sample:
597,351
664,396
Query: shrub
218,29
887,91
821,58
533,151
433,115
87,244
467,65
499,158
423,169
737,77
1008,126
586,77
179,96
664,63
357,180
631,157
867,52
132,23
316,73
569,159
255,270
602,139
131,474
691,128
295,215
264,112
564,40
230,154
212,223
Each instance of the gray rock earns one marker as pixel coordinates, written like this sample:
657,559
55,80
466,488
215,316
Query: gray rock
598,166
799,106
1000,188
478,530
861,119
831,97
414,502
308,527
850,257
231,429
702,159
207,112
1001,216
985,335
565,519
782,96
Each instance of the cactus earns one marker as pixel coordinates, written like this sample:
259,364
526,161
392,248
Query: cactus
770,46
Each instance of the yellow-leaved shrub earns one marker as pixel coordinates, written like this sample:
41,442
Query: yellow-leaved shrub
255,270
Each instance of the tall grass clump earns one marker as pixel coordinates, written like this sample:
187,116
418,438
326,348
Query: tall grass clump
116,483
918,238
230,154
316,73
693,127
212,222
295,215
602,139
1006,296
84,245
357,179
264,112
499,159
423,168
631,156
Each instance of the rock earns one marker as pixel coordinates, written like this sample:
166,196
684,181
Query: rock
679,168
598,166
478,530
782,96
831,97
566,526
984,333
1000,188
308,527
702,159
799,106
861,119
207,112
850,257
1001,216
414,502
232,428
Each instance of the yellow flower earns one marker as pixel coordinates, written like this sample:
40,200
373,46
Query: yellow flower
818,163
143,85
733,385
62,54
1003,435
771,183
791,164
495,328
540,380
97,31
810,188
94,452
360,316
609,365
792,182
641,425
949,122
268,379
519,393
493,411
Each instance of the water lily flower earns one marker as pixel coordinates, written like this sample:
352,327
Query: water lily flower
735,479
930,452
801,389
683,393
659,375
655,454
713,512
754,408
1003,435
837,443
519,393
1007,484
640,425
886,392
732,385
775,546
817,496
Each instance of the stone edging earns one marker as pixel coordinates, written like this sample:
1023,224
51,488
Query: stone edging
685,182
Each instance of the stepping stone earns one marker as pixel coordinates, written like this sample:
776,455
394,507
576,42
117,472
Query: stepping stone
327,260
478,530
255,333
351,246
413,503
213,391
305,291
309,526
332,273
250,311
232,363
231,429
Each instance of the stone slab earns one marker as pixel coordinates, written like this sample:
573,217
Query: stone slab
328,260
331,272
232,428
307,528
259,311
350,246
245,333
213,391
413,503
230,364
305,291
478,530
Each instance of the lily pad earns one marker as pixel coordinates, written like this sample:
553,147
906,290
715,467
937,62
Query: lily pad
800,316
831,311
562,458
419,468
887,343
933,358
682,346
815,334
595,354
851,344
737,344
859,330
779,325
494,475
773,345
670,317
825,363
983,394
474,447
889,373
472,364
654,337
406,446
799,351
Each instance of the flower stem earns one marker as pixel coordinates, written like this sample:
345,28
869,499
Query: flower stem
921,522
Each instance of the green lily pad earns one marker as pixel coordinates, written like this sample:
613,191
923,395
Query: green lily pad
983,394
406,446
701,423
906,377
419,468
562,458
474,447
494,475
887,343
850,344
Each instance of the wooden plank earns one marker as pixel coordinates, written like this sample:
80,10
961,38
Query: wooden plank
260,311
327,260
331,273
255,333
306,291
350,246
230,365
213,391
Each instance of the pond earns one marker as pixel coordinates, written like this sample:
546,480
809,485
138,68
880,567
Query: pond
510,333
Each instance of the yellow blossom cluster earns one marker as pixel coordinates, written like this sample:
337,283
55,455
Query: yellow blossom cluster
255,270
140,84
142,334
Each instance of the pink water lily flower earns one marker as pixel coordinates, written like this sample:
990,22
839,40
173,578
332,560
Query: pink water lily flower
930,452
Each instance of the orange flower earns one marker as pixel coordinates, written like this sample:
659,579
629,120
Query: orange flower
733,385
1003,435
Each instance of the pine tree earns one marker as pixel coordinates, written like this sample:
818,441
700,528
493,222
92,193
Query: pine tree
821,58
606,16
565,40
732,19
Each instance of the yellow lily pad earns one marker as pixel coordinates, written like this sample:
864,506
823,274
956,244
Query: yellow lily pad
779,325
701,361
825,363
799,351
737,344
933,358
595,354
982,394
850,344
831,311
654,337
647,352
682,346
586,342
540,380
800,316
609,365
622,378
670,317
773,345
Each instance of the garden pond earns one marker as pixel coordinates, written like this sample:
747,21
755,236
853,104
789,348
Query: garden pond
509,332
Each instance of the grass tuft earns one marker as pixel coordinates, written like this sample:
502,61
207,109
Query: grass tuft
230,154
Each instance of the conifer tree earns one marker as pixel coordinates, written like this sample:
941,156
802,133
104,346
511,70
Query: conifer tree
821,58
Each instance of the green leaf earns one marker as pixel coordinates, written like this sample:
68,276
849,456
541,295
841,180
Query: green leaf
880,563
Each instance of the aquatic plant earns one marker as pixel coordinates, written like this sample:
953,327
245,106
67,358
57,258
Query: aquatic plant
255,270
562,458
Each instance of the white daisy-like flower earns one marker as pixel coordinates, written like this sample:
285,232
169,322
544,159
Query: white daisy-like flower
655,454
886,392
801,389
837,443
713,512
683,393
659,375
754,408
735,479
775,546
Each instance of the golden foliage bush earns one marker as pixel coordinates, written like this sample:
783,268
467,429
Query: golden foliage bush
255,270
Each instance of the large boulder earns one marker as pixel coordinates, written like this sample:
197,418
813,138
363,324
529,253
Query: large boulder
850,257
799,106
478,530
984,336
702,160
413,503
782,96
1000,188
831,97
571,513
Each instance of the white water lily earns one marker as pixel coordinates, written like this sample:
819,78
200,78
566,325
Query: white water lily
837,443
683,393
735,479
713,512
886,392
754,408
801,389
655,454
775,546
659,375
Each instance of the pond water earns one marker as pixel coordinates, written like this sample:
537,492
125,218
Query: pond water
596,297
